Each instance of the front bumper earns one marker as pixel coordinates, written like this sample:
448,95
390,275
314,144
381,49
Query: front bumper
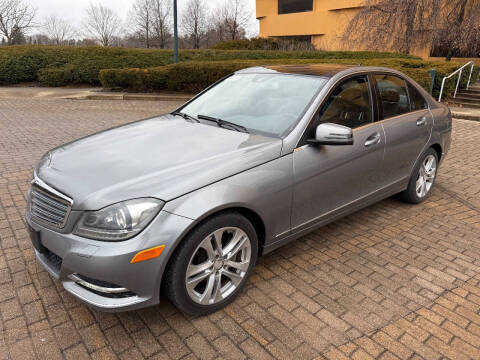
117,285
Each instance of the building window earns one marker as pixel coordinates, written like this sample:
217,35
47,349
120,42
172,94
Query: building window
296,39
294,6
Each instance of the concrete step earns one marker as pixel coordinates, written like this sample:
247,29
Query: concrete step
471,88
465,113
466,99
469,91
469,95
464,104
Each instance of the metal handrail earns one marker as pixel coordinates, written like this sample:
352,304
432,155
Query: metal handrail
460,70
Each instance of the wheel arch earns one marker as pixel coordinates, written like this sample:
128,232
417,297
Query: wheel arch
438,148
248,213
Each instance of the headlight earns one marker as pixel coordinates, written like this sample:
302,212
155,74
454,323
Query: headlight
120,221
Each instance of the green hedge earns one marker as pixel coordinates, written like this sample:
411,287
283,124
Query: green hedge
195,76
64,65
248,44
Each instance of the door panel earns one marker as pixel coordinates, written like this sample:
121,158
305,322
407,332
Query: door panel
330,177
407,136
408,124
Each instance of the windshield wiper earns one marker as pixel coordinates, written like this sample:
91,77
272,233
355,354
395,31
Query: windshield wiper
185,116
224,123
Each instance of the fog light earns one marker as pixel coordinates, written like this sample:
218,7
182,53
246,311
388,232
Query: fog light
148,254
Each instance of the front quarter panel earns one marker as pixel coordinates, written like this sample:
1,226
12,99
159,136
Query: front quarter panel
266,190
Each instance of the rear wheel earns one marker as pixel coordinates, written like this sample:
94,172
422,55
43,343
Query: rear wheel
423,178
212,264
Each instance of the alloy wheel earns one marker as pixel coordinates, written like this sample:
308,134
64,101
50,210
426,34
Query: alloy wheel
218,265
426,176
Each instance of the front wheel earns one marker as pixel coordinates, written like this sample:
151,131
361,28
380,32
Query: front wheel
212,264
423,178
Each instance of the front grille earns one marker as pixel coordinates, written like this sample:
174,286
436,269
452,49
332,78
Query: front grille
49,208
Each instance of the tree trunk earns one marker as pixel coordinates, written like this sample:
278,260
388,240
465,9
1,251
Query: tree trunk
458,23
409,33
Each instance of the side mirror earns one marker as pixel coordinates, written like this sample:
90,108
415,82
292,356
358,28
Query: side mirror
332,134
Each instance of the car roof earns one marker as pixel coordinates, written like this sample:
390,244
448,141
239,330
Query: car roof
323,70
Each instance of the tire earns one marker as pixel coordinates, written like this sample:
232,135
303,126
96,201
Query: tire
223,273
428,174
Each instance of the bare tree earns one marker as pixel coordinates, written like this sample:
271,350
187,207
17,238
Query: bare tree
16,17
398,25
162,10
102,24
403,25
234,18
59,30
460,31
142,19
194,22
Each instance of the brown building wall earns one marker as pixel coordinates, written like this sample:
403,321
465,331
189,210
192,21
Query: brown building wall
325,24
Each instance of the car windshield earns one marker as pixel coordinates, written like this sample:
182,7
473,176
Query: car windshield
267,103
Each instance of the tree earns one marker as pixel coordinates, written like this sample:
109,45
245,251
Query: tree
58,30
234,18
403,25
142,18
194,22
18,37
398,25
102,24
162,10
40,39
460,33
16,17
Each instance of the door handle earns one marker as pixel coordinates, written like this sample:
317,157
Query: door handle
373,139
422,121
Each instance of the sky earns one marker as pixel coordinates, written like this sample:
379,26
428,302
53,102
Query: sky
73,10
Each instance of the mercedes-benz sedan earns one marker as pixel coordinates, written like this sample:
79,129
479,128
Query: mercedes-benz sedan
183,204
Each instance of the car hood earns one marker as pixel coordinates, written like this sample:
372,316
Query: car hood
163,157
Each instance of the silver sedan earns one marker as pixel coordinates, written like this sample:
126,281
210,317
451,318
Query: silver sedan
183,204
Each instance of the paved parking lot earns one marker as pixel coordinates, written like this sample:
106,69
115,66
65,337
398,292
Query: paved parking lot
392,281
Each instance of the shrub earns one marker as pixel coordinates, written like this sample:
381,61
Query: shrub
81,65
58,76
196,76
152,79
248,44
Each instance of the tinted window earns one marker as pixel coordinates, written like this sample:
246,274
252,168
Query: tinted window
269,103
294,6
349,104
393,95
417,101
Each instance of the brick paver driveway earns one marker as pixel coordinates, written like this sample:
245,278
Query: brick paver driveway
391,281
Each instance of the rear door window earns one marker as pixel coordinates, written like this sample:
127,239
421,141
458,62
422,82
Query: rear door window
393,96
417,101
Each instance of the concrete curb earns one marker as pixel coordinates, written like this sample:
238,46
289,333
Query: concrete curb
139,97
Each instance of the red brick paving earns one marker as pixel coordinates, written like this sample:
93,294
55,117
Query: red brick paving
391,281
